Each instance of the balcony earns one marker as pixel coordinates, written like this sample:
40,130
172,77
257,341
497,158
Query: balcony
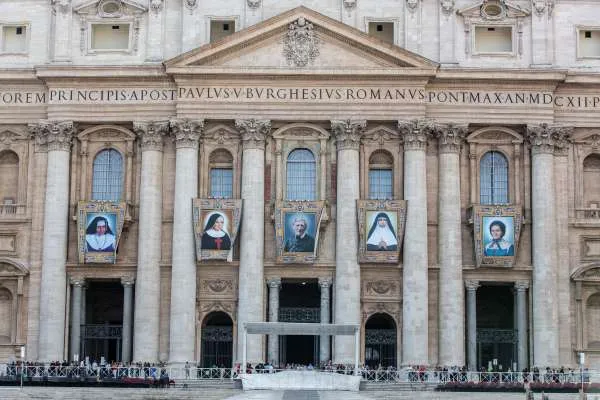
587,217
12,210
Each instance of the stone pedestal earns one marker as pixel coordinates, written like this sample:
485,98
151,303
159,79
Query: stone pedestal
251,280
347,270
415,280
127,283
451,293
186,134
147,293
274,285
55,137
325,284
472,324
75,341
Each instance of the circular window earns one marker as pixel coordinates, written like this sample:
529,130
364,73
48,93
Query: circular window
492,11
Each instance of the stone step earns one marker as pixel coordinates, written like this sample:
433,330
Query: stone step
399,386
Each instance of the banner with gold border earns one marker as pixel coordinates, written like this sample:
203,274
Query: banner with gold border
380,230
297,225
216,226
99,226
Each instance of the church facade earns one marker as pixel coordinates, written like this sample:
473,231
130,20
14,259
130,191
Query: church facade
428,170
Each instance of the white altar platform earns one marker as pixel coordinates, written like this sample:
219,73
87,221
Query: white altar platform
300,380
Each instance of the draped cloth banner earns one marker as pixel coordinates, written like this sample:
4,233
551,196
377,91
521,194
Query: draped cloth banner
497,229
380,230
99,226
297,226
216,225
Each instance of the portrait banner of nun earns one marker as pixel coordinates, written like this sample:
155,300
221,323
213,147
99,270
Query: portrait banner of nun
216,224
297,225
100,224
496,231
381,230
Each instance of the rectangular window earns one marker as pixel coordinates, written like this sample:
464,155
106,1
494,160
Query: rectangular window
221,183
219,29
14,39
588,43
380,184
110,37
382,30
493,39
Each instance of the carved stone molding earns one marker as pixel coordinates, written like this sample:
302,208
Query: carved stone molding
325,283
349,4
546,138
381,287
301,44
186,132
451,137
416,133
61,6
216,306
274,283
472,285
127,281
151,134
540,6
254,132
190,4
156,6
253,4
391,308
8,137
218,285
77,281
412,5
348,133
521,285
563,140
53,135
447,6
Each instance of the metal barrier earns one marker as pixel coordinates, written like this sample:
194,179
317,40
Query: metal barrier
407,375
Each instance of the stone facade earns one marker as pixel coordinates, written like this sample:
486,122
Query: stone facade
428,106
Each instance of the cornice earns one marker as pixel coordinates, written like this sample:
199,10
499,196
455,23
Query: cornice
18,75
502,74
101,71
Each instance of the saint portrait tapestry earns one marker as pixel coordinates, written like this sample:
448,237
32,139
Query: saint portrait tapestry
99,225
497,231
216,224
297,230
381,230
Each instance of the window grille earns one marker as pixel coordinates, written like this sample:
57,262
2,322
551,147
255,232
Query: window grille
108,176
301,175
221,183
493,175
380,184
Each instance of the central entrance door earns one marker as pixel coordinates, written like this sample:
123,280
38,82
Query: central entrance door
299,301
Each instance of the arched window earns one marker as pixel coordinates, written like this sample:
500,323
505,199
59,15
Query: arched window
592,317
591,181
9,179
6,306
221,174
107,181
301,175
381,176
493,175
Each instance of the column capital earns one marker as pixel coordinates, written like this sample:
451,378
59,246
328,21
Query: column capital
274,283
77,281
53,135
325,282
544,138
127,281
450,137
348,133
472,285
563,140
521,286
151,133
186,132
254,132
416,132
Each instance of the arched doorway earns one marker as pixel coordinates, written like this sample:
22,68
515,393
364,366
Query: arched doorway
380,341
217,340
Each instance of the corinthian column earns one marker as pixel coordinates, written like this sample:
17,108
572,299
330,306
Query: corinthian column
451,293
251,281
56,138
274,285
415,333
347,270
147,288
542,139
186,134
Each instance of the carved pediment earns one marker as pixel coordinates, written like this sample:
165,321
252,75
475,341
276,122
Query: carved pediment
301,131
493,10
8,137
494,134
221,134
297,39
588,272
11,268
380,135
104,133
110,8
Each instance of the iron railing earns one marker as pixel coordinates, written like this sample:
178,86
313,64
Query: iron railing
390,375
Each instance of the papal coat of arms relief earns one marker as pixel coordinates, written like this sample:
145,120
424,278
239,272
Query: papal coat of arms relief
301,44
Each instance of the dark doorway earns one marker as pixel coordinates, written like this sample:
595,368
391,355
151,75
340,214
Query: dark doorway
217,341
496,328
380,341
299,301
103,325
